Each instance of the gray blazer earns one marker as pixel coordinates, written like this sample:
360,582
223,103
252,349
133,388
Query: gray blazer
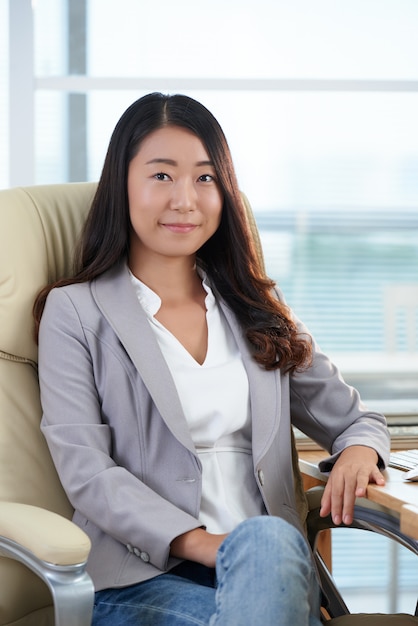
120,441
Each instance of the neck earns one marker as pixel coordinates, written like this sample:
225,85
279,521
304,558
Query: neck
171,279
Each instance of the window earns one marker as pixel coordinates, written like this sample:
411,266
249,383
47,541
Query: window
318,102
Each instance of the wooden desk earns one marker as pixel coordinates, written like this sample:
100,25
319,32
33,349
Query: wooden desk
398,495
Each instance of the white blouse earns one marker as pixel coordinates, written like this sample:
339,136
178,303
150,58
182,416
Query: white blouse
215,400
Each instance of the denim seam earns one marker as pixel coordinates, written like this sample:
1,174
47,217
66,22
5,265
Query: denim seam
150,607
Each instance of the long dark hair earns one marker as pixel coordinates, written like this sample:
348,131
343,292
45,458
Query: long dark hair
229,256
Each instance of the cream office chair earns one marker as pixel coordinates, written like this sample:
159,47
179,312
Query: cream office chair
42,554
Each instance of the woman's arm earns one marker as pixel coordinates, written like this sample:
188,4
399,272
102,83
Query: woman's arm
197,545
331,412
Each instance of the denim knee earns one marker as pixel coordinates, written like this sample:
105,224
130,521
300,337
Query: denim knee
267,535
265,575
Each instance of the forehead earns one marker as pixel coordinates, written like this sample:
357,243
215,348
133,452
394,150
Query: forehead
173,142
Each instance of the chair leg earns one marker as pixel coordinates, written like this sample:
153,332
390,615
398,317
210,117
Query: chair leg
73,596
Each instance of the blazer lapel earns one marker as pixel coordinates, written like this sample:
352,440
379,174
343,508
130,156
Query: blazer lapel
265,392
116,298
118,303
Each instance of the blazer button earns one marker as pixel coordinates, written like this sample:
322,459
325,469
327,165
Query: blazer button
145,557
261,477
129,548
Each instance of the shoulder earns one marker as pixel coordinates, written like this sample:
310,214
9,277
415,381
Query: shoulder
65,313
69,296
83,294
94,306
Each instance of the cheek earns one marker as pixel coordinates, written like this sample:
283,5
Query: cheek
140,206
138,220
139,197
216,207
213,222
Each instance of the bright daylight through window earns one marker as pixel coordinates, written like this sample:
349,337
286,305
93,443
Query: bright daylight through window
319,103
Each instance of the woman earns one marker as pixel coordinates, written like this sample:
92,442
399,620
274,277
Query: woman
171,371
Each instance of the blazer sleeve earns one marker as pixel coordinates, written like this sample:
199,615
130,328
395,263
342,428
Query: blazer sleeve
80,442
331,412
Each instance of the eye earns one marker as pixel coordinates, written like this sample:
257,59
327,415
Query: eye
206,178
161,176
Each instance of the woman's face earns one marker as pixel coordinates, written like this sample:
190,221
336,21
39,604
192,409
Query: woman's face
175,202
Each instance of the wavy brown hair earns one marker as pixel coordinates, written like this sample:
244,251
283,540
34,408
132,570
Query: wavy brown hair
229,257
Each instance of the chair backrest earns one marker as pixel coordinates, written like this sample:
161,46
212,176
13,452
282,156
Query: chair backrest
38,230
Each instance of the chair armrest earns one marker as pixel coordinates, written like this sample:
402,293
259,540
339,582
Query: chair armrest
368,516
362,506
49,536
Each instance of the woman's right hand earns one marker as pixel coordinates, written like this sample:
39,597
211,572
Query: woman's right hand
197,545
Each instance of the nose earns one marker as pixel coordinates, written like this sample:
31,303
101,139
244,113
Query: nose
183,197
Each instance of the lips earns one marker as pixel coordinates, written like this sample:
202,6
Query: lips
180,228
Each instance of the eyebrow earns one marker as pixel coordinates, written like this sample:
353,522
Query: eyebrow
175,163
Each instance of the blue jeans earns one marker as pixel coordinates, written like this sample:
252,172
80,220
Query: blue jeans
264,575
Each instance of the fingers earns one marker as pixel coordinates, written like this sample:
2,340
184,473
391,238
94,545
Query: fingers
339,498
348,480
377,477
